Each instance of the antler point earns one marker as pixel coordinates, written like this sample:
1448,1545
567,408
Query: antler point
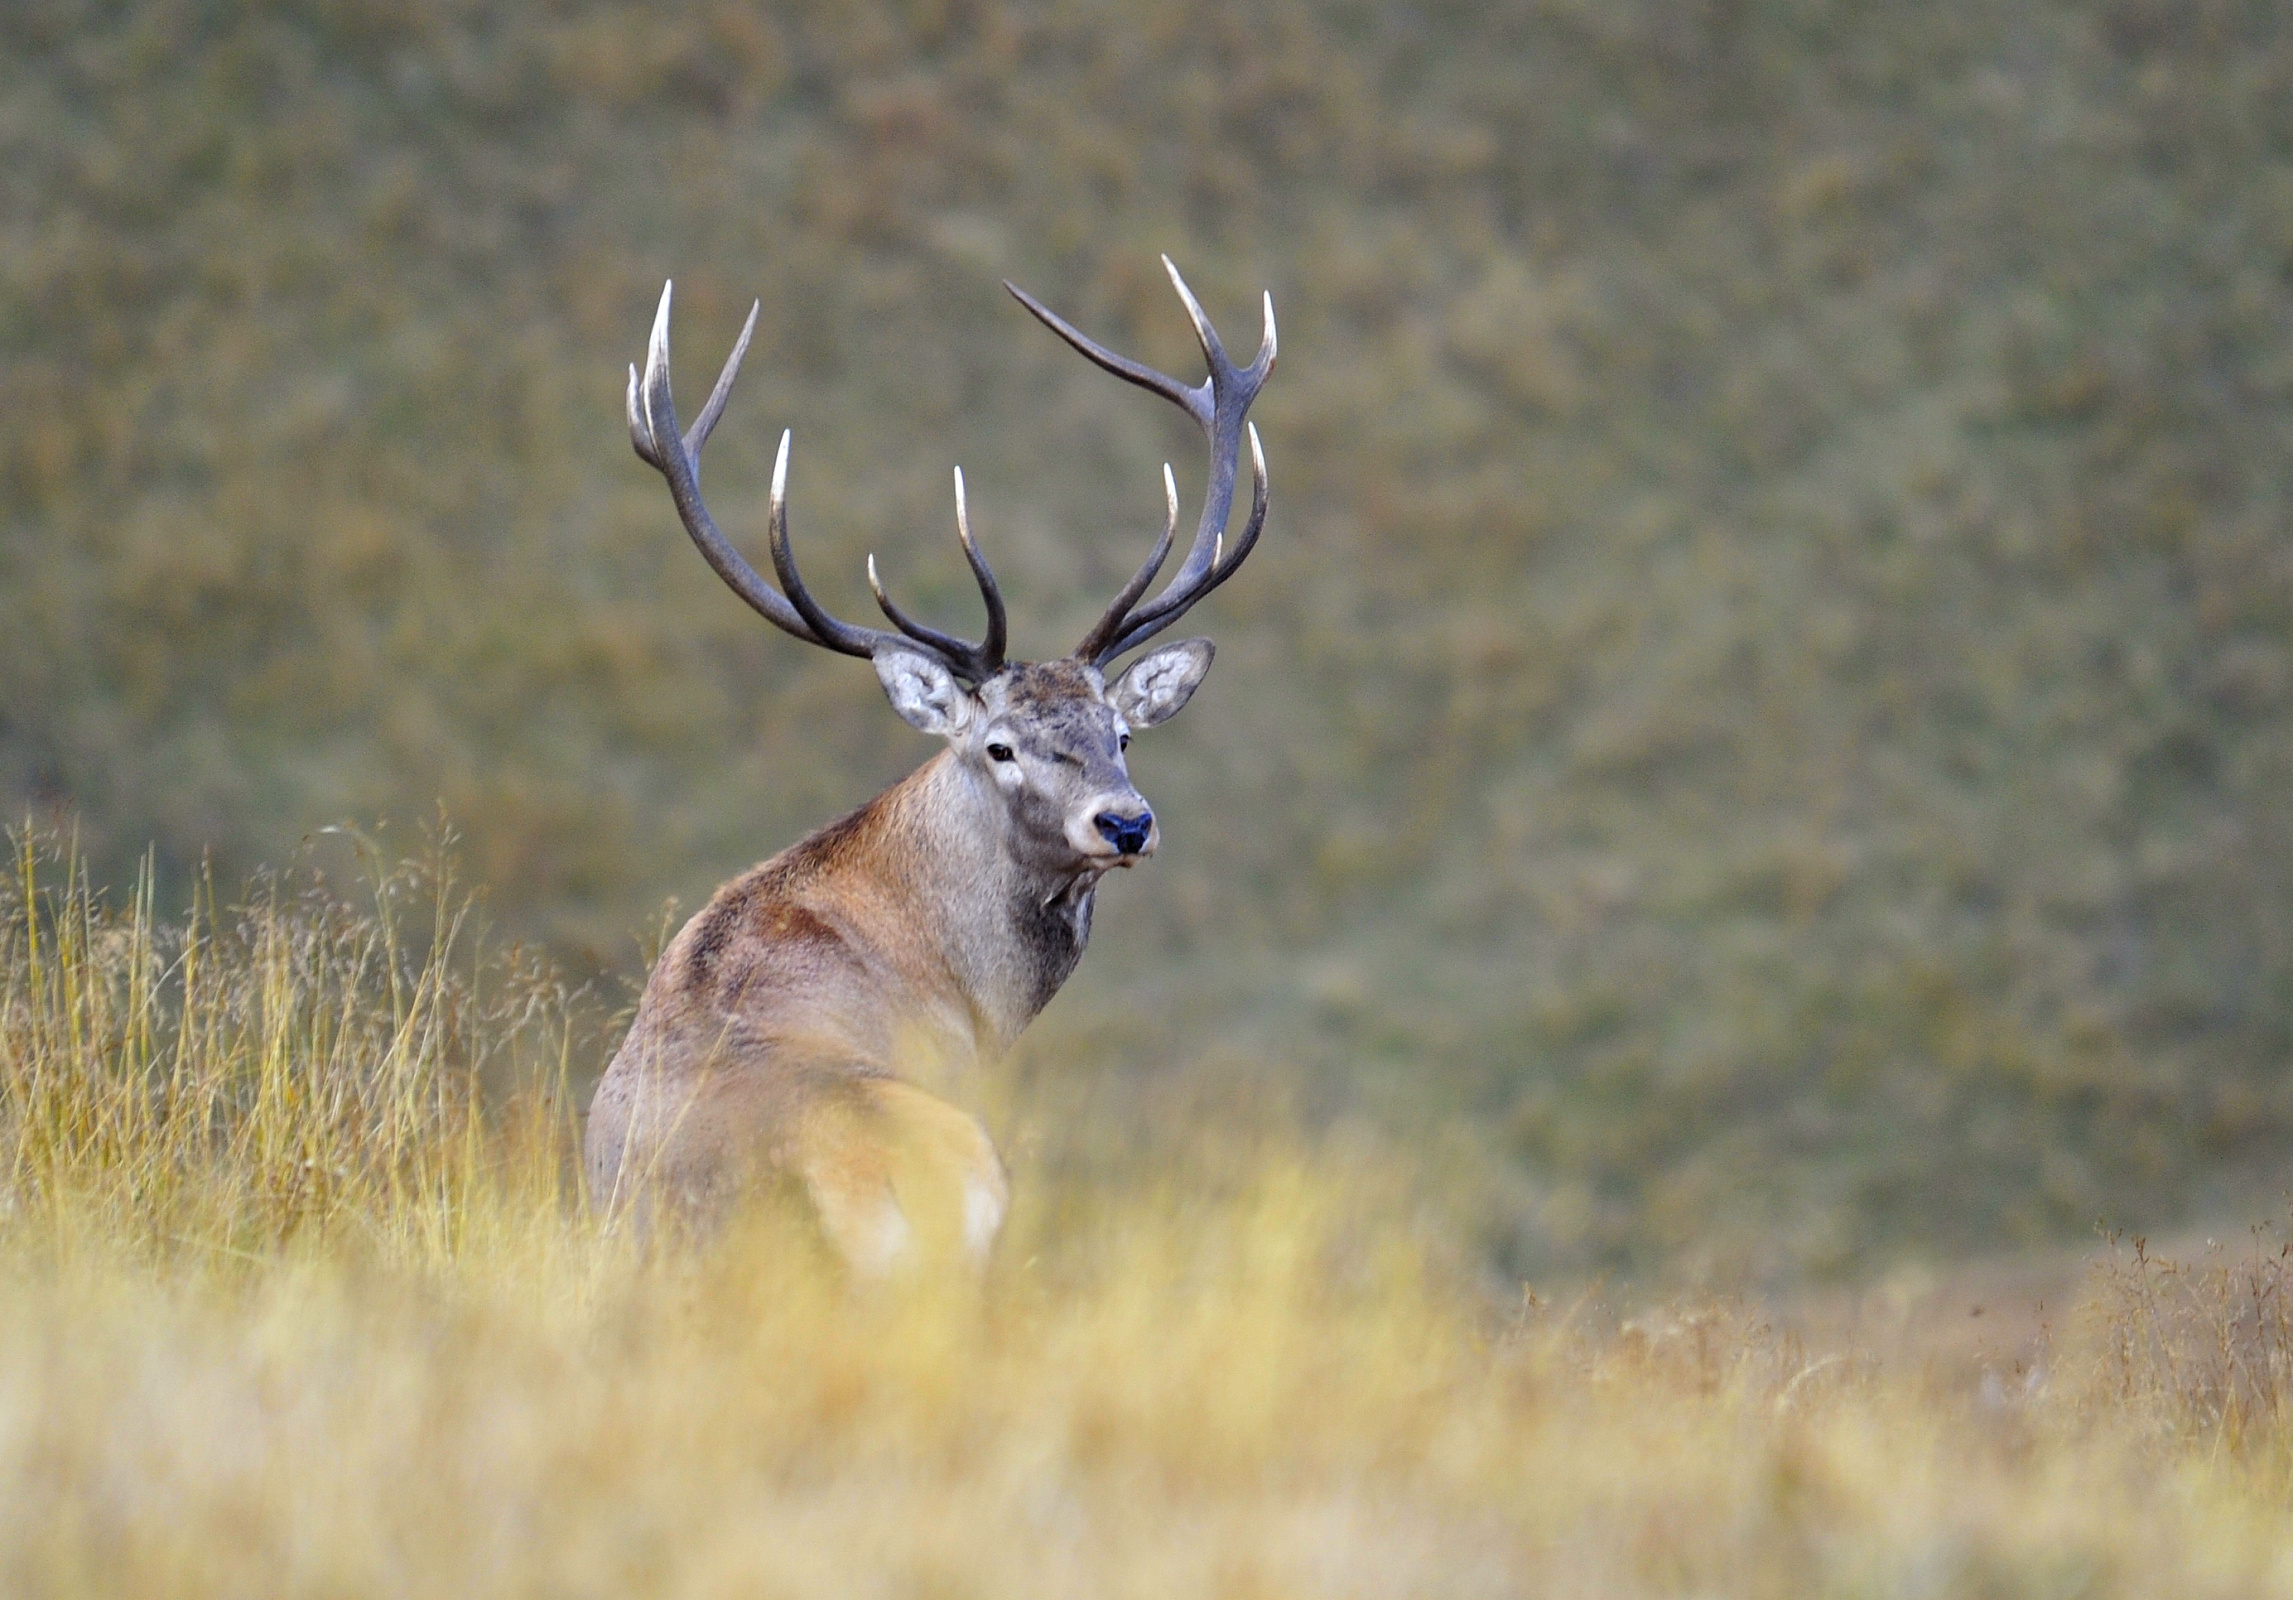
1204,333
657,346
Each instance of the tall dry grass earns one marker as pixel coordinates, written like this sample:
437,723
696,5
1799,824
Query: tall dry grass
301,1298
298,1068
2202,1349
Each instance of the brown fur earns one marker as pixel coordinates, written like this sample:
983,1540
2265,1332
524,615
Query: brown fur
817,973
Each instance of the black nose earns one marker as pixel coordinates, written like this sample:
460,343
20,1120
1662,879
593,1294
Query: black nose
1127,834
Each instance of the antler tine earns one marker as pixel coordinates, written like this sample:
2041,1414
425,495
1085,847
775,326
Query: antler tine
1213,348
706,423
1195,402
1110,621
1222,569
1219,404
981,660
990,593
1260,495
946,644
656,368
836,634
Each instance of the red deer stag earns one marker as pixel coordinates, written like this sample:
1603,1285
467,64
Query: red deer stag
798,1026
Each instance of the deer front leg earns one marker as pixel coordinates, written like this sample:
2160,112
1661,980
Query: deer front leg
900,1180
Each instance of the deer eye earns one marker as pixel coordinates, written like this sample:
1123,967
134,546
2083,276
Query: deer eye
1122,741
999,752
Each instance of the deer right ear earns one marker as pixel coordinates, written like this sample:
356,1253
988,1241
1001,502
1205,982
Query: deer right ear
923,692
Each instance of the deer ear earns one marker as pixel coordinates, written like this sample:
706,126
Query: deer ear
923,692
1157,686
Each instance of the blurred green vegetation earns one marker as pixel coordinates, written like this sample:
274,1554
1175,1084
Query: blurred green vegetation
1759,732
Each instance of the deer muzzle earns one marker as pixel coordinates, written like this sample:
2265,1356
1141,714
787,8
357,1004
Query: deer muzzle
1129,832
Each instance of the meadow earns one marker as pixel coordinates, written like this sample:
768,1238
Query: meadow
302,1299
1728,890
1761,723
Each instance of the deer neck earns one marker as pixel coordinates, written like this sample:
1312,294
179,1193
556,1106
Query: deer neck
1007,930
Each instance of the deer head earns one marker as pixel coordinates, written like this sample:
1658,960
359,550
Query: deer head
1045,739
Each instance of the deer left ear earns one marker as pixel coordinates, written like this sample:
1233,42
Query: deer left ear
1157,686
923,692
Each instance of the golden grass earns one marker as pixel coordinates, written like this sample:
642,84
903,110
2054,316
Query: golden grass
301,1299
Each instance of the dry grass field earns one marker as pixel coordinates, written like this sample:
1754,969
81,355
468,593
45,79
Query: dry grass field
302,1300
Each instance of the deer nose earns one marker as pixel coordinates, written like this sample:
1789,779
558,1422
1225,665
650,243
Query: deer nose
1127,834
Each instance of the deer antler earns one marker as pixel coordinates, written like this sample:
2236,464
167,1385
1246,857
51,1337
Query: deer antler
791,608
1218,404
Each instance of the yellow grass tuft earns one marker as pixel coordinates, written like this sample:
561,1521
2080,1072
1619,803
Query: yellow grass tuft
302,1299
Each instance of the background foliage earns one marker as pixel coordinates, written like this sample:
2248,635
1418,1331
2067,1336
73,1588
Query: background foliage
1759,732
